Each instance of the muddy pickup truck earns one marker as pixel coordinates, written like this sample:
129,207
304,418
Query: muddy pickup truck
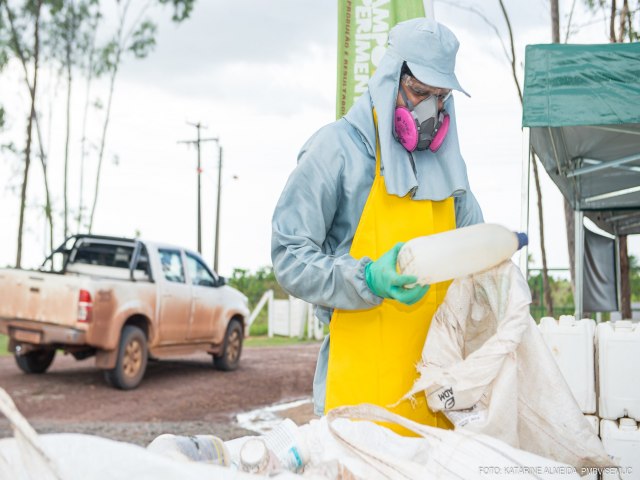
123,301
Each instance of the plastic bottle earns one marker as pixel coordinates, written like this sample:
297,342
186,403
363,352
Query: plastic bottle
195,448
256,458
288,446
282,448
458,253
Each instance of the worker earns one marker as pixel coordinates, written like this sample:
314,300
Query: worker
363,185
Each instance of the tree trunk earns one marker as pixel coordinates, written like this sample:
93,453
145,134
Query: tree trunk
23,61
568,211
624,13
569,220
68,132
83,141
112,82
23,190
612,23
625,283
32,115
102,143
546,285
555,21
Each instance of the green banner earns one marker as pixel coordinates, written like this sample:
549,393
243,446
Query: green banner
363,28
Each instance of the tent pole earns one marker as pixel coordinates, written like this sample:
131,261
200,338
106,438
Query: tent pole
578,216
618,276
524,200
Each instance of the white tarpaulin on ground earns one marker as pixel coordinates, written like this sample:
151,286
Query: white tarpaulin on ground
339,448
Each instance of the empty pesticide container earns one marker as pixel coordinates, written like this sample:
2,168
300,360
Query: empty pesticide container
618,347
621,440
571,342
459,252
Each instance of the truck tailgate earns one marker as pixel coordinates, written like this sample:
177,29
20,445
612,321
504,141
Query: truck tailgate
43,297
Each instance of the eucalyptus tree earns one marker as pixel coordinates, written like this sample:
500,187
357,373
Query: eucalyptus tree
4,59
135,35
24,21
620,17
70,37
510,54
88,69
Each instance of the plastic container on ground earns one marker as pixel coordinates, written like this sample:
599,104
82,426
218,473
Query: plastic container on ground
195,448
282,448
618,351
621,440
458,253
571,343
256,458
288,445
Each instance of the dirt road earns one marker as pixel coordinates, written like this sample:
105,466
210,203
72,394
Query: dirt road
183,396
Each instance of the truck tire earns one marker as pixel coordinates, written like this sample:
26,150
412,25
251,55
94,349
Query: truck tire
232,348
36,361
132,360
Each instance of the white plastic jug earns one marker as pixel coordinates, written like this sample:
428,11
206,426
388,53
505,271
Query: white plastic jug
458,253
571,343
194,448
622,441
618,374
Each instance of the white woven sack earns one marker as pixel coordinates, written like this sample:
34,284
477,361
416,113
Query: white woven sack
445,454
72,456
487,367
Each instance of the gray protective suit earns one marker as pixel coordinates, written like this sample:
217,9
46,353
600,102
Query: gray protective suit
320,207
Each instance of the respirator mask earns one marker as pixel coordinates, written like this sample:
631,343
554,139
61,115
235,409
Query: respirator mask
421,126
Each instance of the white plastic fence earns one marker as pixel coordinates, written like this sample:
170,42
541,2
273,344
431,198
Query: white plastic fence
288,317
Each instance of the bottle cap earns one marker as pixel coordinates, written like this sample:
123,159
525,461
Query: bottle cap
522,239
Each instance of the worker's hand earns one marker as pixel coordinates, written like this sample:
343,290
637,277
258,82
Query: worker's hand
384,280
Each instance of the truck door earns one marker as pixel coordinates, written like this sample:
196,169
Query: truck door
175,298
206,300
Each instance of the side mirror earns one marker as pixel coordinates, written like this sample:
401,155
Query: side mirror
221,281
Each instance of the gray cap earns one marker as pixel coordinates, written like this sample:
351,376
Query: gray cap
429,49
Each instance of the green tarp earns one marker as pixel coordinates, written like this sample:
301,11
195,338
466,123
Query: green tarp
582,104
581,85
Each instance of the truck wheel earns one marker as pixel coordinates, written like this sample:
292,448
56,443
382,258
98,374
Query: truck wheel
36,361
232,348
132,360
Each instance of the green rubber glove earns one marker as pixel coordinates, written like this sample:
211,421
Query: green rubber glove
384,280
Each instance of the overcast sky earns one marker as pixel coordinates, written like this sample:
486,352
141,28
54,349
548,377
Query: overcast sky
261,76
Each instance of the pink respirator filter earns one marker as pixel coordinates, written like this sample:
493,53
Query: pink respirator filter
441,134
406,128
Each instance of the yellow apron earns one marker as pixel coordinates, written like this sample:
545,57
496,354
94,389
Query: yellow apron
373,353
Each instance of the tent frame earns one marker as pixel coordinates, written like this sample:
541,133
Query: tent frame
578,218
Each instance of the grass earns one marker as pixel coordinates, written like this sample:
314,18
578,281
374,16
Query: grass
4,340
265,341
256,340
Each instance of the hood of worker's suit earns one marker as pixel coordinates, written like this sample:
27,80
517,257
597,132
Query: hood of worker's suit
424,174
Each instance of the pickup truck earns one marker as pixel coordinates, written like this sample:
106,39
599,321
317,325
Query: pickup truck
123,301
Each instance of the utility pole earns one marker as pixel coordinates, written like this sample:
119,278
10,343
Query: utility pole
215,251
197,143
